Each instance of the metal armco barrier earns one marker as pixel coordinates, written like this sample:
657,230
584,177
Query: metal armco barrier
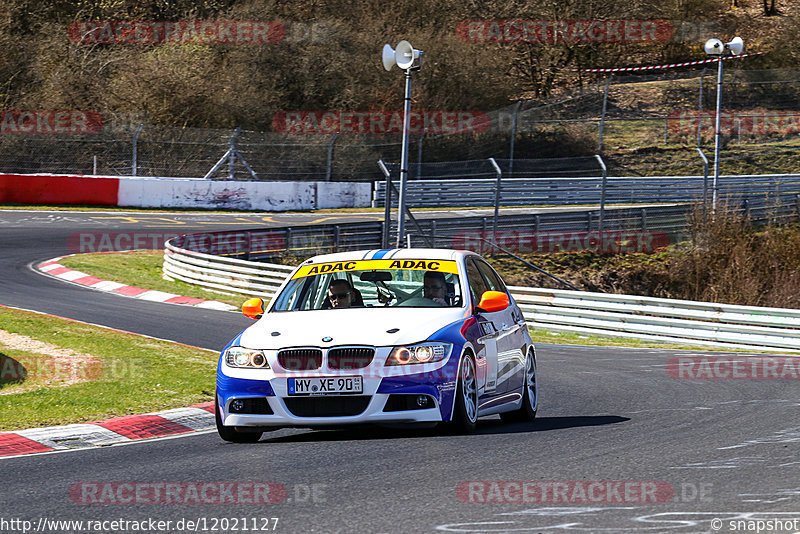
476,192
680,321
514,232
224,274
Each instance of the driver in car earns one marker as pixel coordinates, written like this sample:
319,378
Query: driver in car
340,294
434,288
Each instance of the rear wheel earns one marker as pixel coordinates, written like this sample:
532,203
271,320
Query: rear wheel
530,394
228,433
465,414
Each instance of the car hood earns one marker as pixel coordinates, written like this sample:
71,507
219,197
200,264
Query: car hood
355,326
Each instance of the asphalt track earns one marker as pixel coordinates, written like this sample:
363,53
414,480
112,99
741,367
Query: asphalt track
725,449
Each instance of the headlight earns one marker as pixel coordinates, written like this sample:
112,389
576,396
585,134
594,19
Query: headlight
248,358
420,353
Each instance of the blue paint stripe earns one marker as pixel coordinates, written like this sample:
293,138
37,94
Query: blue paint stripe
381,253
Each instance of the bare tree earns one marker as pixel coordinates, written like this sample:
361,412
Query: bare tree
769,8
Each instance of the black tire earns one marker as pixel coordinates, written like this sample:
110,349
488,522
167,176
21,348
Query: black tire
530,394
231,434
465,412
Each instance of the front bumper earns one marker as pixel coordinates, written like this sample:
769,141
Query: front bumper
384,399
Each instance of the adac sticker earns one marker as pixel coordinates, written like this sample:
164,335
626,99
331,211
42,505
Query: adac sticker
444,266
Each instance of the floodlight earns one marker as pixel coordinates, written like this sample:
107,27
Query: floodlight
408,59
714,47
405,54
388,57
735,46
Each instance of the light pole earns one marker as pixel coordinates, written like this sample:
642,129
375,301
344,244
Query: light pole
408,59
715,47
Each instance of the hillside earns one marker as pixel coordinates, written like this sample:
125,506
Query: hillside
192,72
325,55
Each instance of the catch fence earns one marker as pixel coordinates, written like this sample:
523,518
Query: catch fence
664,112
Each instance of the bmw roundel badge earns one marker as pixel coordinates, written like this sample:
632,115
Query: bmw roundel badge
327,338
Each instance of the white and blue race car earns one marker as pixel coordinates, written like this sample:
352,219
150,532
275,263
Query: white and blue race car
397,336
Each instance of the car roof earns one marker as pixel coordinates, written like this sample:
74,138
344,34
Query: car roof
390,254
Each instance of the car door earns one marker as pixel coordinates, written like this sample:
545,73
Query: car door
490,325
510,337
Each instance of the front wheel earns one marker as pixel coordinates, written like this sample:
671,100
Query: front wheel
229,433
530,394
465,414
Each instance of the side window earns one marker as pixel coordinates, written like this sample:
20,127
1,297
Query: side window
493,279
476,284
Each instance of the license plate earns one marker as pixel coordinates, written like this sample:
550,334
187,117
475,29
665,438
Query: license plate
336,385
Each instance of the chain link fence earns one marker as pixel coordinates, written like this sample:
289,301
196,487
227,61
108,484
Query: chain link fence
642,124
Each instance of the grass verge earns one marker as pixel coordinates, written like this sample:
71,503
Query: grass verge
575,338
142,268
127,373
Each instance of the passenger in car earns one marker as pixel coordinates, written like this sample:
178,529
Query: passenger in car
434,287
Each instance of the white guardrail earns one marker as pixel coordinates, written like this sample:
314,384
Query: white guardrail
676,321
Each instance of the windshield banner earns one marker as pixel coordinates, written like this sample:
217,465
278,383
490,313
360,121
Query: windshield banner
442,266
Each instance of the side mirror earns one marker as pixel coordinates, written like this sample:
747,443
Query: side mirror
493,301
253,308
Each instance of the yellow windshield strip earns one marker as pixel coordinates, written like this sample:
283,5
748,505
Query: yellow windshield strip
442,266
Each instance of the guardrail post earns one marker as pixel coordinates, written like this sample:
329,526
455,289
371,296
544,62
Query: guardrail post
797,204
602,194
249,242
513,137
135,158
705,184
588,221
739,129
232,156
419,154
483,229
329,167
433,232
603,115
746,208
336,238
387,213
496,196
288,238
700,111
644,219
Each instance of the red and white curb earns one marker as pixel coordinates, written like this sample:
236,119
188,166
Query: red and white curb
55,269
116,430
108,431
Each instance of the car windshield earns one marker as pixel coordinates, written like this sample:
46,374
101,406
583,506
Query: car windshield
419,283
